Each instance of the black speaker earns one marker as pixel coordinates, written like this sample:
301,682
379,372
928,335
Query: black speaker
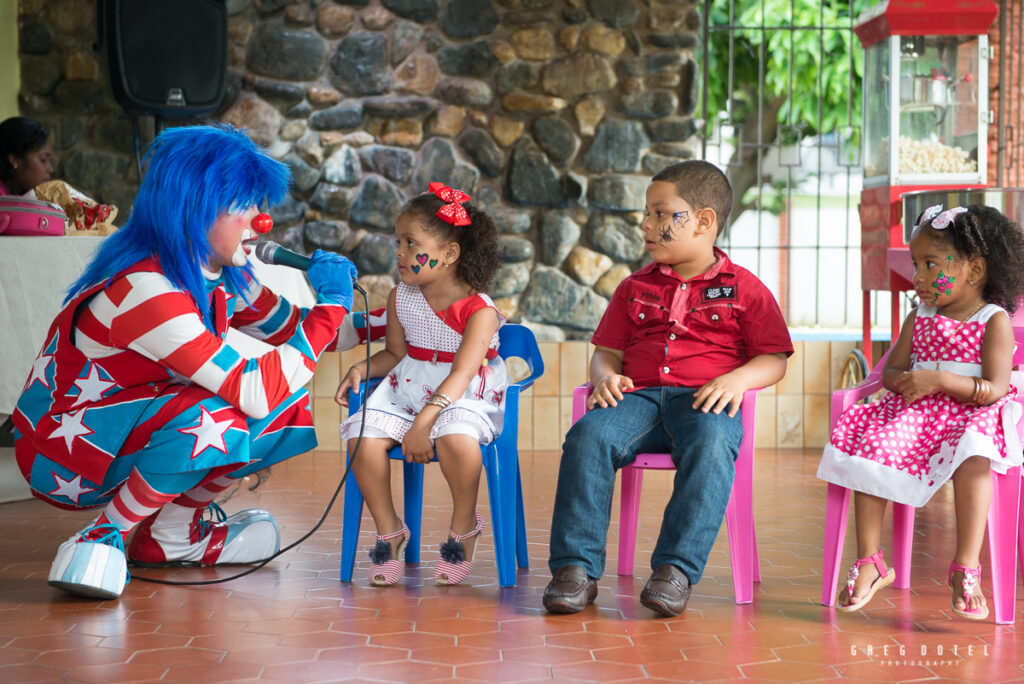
166,57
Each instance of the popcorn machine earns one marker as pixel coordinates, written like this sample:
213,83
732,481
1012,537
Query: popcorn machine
926,118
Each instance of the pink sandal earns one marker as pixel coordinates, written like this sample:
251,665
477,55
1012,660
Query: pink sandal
388,565
886,576
969,584
453,567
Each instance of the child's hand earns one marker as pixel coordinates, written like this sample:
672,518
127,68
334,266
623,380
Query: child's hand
417,447
913,385
719,393
609,390
351,379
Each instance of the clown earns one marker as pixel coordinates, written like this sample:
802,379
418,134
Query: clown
138,406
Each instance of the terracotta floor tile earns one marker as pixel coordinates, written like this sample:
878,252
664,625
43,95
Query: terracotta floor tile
294,622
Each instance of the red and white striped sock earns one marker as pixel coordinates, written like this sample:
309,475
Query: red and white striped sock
201,495
134,502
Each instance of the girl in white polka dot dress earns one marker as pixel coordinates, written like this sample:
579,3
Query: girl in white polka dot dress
949,412
444,383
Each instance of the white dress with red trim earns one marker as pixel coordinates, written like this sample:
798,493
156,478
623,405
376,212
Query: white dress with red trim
392,407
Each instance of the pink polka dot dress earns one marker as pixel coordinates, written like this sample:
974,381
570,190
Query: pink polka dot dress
904,452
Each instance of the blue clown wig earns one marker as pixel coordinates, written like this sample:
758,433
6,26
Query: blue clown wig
194,175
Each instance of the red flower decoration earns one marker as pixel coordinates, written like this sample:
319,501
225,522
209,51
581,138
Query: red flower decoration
452,212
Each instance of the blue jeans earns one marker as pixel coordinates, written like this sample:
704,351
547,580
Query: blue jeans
651,420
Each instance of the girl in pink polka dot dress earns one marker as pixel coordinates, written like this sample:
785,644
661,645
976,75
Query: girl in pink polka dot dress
950,411
444,383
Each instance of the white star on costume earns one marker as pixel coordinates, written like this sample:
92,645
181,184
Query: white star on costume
209,433
39,367
71,426
72,489
92,387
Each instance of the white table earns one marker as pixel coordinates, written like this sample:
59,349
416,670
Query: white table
35,273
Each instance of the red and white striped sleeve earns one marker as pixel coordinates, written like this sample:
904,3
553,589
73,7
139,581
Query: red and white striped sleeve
150,316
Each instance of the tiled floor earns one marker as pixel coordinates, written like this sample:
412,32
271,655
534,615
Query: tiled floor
295,622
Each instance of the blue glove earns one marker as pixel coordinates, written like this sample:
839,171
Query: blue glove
332,275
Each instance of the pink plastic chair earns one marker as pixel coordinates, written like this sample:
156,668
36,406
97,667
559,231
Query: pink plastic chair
1004,516
739,516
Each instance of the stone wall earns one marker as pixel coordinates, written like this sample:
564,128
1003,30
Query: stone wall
552,114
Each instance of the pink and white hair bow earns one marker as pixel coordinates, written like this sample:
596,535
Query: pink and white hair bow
452,211
940,219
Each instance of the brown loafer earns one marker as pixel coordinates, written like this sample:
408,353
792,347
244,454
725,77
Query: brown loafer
570,590
667,591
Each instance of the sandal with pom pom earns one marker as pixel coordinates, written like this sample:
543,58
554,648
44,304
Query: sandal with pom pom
969,585
886,576
388,566
453,567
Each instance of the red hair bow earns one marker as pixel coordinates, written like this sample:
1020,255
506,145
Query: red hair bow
452,212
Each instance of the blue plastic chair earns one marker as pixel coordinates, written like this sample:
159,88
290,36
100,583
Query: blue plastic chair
501,463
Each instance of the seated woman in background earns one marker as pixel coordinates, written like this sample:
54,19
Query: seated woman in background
26,154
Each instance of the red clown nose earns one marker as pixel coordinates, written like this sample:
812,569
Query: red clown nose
262,223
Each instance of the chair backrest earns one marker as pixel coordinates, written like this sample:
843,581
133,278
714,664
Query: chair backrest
518,340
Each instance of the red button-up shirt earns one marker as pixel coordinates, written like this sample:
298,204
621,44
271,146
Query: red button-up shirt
684,333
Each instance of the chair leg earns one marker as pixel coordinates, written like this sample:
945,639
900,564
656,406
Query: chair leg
1003,519
837,508
353,513
522,550
756,559
739,522
629,511
501,488
412,481
902,543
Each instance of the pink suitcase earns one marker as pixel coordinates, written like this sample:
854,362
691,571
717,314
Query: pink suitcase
24,216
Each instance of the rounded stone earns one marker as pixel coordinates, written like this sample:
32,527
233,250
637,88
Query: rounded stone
331,199
326,234
474,59
618,146
405,36
558,234
618,193
603,39
360,64
534,43
615,236
464,91
394,163
375,254
517,75
416,10
515,249
348,115
617,13
606,284
511,279
648,104
289,54
260,120
532,180
376,205
556,137
586,265
91,168
484,152
287,212
578,74
304,176
465,19
34,38
553,297
343,167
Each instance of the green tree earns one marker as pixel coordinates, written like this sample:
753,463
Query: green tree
810,64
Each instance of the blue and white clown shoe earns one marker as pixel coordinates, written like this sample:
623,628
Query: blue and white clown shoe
177,536
91,563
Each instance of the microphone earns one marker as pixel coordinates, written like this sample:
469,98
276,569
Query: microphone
269,252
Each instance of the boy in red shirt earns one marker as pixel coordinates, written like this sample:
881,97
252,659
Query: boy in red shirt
683,338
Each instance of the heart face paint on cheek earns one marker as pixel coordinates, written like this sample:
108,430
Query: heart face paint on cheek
415,268
943,284
433,263
422,258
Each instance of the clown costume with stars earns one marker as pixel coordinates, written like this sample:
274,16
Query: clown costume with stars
138,406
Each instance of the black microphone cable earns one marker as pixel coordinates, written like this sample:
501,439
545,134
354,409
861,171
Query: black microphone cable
330,504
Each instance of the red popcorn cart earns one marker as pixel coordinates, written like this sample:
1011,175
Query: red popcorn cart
925,124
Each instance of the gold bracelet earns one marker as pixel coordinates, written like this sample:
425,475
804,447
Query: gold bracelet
443,396
977,390
436,402
985,392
